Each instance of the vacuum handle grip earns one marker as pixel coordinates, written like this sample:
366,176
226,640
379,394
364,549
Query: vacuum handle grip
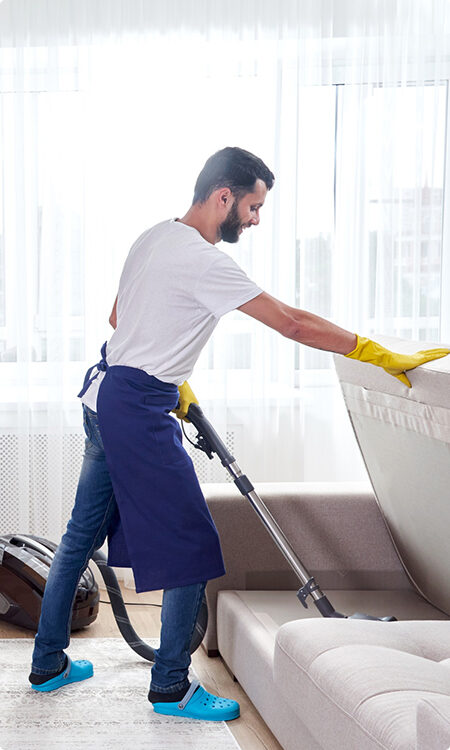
207,431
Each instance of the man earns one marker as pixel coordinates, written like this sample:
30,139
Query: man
137,485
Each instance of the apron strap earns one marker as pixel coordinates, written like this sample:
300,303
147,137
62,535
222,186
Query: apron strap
101,366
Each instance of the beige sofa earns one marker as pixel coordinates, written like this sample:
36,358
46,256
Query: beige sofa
347,683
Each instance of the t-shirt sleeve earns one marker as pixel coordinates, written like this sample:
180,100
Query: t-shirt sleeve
224,286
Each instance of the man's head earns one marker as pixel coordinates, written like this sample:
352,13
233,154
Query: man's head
239,181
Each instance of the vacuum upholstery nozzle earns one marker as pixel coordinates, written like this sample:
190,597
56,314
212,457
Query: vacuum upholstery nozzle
360,616
326,609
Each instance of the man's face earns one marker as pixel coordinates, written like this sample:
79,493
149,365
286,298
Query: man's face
243,213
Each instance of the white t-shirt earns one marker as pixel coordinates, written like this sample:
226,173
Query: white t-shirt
174,288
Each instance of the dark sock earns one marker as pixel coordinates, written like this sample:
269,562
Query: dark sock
155,697
39,679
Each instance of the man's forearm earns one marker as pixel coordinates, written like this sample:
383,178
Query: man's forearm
312,330
300,325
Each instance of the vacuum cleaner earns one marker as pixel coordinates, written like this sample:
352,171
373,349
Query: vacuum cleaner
25,563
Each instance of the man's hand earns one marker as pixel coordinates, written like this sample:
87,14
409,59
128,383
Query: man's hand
392,363
187,397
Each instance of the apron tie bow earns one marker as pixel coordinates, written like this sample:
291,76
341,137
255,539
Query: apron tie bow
101,366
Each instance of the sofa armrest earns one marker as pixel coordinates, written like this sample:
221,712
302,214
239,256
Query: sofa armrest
335,528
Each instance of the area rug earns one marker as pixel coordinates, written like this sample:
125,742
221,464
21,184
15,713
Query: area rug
110,710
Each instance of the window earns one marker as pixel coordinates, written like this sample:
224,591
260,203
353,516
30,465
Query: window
370,209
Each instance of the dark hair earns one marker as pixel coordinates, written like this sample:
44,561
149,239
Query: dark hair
234,168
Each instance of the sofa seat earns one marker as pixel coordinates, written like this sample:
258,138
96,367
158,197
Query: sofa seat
363,680
315,679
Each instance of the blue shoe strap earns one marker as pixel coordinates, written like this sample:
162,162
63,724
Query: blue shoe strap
185,700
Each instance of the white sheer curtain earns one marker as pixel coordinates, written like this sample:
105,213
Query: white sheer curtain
108,111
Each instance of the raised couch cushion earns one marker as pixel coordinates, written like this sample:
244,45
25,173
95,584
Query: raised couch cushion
404,436
362,681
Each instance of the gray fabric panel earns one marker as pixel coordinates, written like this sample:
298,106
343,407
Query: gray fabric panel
335,528
433,723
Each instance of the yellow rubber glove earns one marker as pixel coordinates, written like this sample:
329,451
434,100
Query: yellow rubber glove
394,364
186,397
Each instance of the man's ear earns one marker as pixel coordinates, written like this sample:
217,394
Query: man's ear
225,197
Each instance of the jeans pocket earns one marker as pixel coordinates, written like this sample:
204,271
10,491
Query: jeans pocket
92,428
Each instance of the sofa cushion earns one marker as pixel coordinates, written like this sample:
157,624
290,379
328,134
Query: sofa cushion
433,723
362,681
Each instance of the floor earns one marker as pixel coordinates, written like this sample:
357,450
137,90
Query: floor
249,730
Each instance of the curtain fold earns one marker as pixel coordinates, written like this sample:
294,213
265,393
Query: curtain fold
108,111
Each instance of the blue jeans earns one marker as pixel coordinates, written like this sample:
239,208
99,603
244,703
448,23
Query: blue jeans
94,508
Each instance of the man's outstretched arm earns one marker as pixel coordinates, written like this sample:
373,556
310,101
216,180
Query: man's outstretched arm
312,330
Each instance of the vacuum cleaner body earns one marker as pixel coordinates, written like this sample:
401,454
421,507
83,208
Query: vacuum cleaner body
24,567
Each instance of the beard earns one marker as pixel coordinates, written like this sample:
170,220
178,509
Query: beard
229,229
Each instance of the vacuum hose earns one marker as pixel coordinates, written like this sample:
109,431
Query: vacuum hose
123,621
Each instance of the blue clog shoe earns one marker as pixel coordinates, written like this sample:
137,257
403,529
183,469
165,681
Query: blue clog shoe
199,704
75,671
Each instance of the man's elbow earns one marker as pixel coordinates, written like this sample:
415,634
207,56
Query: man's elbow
289,327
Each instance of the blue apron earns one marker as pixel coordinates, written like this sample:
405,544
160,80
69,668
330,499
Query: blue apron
165,532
